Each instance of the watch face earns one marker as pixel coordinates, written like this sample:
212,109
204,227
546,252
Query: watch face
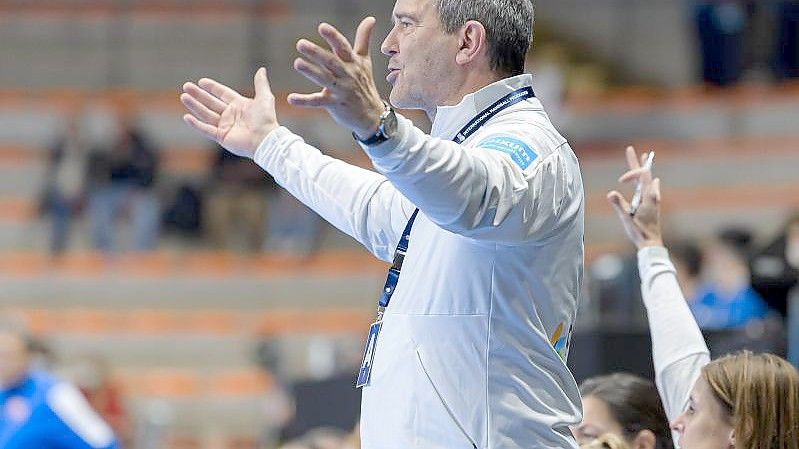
389,127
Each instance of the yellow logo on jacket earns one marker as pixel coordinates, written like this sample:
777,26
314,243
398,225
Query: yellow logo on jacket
561,342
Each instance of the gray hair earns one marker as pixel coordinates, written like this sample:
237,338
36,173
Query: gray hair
508,24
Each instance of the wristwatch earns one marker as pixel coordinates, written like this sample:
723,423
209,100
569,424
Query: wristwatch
386,130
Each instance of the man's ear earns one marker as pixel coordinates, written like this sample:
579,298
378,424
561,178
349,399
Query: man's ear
472,42
645,439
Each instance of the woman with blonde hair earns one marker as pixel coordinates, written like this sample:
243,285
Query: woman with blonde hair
741,401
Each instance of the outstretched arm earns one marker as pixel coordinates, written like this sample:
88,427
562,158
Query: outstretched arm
678,349
359,202
479,193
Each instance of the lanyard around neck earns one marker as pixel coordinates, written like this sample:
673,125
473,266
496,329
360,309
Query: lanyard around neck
470,128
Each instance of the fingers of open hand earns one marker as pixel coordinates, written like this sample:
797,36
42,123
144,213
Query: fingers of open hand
218,90
337,42
315,73
314,100
362,36
319,56
632,159
642,174
206,129
198,109
209,101
654,191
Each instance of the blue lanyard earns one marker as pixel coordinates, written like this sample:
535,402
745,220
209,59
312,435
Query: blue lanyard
474,124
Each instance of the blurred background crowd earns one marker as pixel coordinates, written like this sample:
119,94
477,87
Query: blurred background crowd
198,305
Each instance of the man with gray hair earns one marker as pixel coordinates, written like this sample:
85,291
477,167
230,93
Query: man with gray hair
486,214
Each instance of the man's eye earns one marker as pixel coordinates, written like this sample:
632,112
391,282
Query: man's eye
406,24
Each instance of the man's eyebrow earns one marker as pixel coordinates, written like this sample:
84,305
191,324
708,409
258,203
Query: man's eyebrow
397,17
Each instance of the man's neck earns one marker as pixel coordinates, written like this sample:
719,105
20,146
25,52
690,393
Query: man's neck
472,83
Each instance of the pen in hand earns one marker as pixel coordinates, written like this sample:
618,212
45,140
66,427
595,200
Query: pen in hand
636,201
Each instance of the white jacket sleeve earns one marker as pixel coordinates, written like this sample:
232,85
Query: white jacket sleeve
678,349
481,193
359,202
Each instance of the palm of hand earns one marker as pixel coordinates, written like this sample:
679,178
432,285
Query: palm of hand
238,123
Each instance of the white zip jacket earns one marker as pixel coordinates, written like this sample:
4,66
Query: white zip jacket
472,348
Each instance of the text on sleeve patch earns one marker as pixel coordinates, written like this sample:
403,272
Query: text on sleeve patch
520,152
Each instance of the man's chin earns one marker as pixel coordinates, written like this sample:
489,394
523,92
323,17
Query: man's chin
398,101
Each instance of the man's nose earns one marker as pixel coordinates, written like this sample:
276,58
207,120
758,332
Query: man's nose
389,45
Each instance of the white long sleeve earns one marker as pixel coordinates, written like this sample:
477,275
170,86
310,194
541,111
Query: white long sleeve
359,202
678,349
483,193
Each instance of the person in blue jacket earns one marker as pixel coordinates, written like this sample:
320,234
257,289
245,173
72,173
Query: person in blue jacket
38,410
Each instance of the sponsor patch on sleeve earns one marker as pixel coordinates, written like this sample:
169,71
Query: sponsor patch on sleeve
519,151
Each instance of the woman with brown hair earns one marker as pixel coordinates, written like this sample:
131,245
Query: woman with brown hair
741,401
626,406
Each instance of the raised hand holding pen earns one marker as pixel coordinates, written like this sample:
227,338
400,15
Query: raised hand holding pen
636,201
643,228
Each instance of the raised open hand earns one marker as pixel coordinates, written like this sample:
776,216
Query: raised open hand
236,122
344,72
643,228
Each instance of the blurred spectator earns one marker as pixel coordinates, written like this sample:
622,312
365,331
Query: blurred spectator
292,227
614,292
793,328
38,410
775,275
720,27
122,181
725,298
64,183
787,49
687,258
183,212
775,268
91,374
238,194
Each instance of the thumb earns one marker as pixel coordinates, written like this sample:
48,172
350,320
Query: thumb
362,36
618,202
620,206
261,82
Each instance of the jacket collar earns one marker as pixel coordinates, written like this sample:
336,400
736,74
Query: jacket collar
450,119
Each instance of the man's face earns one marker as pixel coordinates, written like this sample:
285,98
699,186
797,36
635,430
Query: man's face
13,359
421,56
704,424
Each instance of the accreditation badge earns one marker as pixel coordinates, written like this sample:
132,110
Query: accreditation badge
365,372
